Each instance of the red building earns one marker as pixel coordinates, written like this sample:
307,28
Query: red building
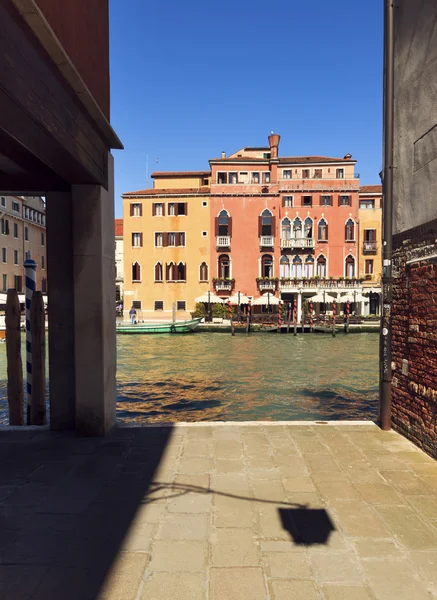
284,224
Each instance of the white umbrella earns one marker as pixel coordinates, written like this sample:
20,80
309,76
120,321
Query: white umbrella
321,298
267,298
351,297
209,297
242,299
3,298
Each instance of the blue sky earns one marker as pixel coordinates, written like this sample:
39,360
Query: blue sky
190,79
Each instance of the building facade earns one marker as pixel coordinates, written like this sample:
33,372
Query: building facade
22,235
255,223
370,244
119,260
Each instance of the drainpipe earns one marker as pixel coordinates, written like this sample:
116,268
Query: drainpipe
387,216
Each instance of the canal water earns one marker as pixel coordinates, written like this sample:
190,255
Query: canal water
214,376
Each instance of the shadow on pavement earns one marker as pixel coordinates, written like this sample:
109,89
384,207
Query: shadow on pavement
307,526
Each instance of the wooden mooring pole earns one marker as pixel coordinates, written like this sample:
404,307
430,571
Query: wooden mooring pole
37,327
15,365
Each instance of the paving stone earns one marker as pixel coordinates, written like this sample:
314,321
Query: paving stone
149,513
329,476
289,546
336,568
191,502
424,505
124,578
271,474
425,564
431,481
406,482
174,556
198,481
180,586
369,548
394,580
337,489
268,490
228,449
226,465
346,592
237,584
19,582
231,483
358,520
139,538
320,462
270,524
408,528
195,466
380,493
69,583
312,447
287,564
298,484
232,512
198,449
234,548
292,589
178,526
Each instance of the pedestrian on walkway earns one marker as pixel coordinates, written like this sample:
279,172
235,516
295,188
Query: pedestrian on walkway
132,314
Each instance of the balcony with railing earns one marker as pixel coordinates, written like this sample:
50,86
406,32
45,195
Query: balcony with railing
370,247
316,283
298,242
223,241
267,284
266,241
223,285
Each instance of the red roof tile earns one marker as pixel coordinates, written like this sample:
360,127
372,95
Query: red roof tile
201,191
297,160
371,189
181,173
118,227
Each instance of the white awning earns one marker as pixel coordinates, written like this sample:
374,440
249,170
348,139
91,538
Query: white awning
3,298
242,299
209,297
265,299
321,298
351,297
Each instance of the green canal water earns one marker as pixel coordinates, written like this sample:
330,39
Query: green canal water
214,376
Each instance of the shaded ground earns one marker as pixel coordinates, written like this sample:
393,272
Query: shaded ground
220,511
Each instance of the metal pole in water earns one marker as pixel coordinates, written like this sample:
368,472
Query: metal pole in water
288,317
249,310
30,277
295,316
334,312
209,305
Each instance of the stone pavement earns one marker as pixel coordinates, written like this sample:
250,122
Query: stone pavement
219,512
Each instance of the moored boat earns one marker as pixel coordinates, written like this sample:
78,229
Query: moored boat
175,327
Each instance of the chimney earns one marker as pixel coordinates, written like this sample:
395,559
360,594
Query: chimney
223,154
274,143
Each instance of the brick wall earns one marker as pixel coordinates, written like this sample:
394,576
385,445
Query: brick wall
414,310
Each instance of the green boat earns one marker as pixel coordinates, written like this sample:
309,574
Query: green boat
177,327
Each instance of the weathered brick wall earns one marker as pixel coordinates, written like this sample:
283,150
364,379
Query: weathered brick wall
414,313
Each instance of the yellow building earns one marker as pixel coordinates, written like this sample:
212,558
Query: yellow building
167,245
370,242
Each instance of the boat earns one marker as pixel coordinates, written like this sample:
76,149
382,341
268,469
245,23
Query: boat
175,327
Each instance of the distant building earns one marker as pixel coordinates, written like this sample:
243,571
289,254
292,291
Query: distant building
255,223
22,234
119,260
370,243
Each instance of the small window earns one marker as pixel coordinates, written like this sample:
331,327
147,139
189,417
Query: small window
203,272
350,231
180,238
158,239
159,272
5,226
307,200
204,203
158,209
318,173
339,173
222,178
325,200
43,220
286,174
136,210
255,178
137,240
15,230
15,207
136,272
5,282
266,177
171,239
182,208
205,181
15,257
233,177
369,267
367,203
43,262
181,305
204,233
159,304
171,209
42,239
26,212
4,255
18,283
26,234
3,201
305,173
137,304
344,200
287,201
266,155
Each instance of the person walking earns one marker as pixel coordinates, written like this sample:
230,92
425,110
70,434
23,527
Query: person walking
132,314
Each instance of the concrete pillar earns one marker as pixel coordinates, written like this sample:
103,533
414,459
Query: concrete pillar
94,306
61,309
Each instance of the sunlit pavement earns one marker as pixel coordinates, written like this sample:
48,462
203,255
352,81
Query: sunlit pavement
219,512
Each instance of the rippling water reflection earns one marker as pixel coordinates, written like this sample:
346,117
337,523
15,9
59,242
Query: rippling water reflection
208,377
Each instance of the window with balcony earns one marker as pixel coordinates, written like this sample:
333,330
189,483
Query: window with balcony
157,209
350,231
255,178
339,173
321,266
223,229
350,266
267,266
307,200
136,210
266,177
308,227
233,177
322,231
305,173
159,275
137,240
297,228
344,200
224,267
287,201
325,200
136,272
266,223
284,267
203,272
368,203
222,178
286,229
296,267
286,174
370,244
318,173
309,267
368,267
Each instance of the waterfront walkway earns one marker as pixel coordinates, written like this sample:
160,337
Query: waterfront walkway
218,512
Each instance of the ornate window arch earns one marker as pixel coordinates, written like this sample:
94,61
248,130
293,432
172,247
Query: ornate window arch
159,272
308,227
267,265
136,271
322,230
349,266
309,266
297,228
349,234
296,267
321,266
171,271
266,223
181,272
203,272
286,229
284,267
224,266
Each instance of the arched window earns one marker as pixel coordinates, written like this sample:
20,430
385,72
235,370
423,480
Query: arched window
284,267
171,271
136,272
224,266
350,266
297,228
267,266
309,267
286,229
223,223
203,272
350,231
321,266
308,227
181,272
296,269
322,231
266,222
158,272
